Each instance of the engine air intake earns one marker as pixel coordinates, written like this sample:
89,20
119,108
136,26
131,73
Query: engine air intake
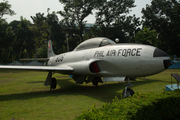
94,67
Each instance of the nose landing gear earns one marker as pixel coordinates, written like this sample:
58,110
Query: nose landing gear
127,91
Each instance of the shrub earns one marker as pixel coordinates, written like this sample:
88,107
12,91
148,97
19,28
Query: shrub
139,107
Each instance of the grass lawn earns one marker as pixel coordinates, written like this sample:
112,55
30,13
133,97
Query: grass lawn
23,95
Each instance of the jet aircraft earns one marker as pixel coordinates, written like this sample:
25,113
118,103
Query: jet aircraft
101,59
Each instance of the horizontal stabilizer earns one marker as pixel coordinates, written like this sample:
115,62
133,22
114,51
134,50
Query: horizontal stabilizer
34,59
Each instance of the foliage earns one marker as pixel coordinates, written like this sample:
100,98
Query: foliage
47,27
6,33
56,32
147,36
6,38
73,22
164,17
141,106
24,40
16,41
40,29
5,9
94,31
113,21
16,38
42,51
112,10
75,11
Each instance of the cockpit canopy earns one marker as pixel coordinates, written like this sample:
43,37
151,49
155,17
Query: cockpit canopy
94,43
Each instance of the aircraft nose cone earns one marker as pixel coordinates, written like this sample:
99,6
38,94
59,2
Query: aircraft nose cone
160,53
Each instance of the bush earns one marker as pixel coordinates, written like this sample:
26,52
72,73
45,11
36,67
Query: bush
150,106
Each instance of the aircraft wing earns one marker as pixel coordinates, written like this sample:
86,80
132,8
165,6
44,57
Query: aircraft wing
58,69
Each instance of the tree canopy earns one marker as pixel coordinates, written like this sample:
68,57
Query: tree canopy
5,9
75,12
159,27
114,21
164,16
147,36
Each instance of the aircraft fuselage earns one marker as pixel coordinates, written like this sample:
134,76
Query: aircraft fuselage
132,60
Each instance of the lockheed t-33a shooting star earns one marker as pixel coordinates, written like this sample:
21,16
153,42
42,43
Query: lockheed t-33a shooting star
101,59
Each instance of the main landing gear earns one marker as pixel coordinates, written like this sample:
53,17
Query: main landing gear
127,91
52,82
96,80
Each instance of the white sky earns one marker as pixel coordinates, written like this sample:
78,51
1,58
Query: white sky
27,8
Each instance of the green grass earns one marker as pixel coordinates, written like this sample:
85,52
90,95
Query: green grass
24,97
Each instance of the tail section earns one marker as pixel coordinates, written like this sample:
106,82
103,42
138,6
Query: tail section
50,52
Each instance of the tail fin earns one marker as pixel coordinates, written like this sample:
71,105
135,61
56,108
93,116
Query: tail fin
50,52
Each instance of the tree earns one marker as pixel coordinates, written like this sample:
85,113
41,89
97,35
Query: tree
112,10
40,29
45,27
164,17
6,38
147,36
23,45
75,12
92,32
56,32
16,41
5,9
6,33
113,21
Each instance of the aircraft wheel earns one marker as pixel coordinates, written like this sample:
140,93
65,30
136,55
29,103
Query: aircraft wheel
130,92
95,81
53,83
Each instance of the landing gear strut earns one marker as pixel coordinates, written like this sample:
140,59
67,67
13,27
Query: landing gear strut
96,80
52,82
127,91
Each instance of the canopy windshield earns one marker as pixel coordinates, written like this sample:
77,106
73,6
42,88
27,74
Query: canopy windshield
94,43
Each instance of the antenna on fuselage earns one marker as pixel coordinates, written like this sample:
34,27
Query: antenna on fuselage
117,40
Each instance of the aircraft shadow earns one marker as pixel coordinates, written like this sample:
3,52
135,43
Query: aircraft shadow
12,71
35,82
104,92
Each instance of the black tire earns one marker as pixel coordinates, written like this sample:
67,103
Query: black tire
95,81
130,92
53,83
99,79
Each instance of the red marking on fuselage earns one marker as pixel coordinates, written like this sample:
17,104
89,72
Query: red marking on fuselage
95,67
49,46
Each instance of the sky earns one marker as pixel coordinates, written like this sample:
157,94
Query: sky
27,8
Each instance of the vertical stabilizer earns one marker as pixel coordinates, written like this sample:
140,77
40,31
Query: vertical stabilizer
50,52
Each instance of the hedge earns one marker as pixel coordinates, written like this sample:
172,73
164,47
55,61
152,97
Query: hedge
163,106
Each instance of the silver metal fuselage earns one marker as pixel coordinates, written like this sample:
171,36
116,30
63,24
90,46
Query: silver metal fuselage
131,60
